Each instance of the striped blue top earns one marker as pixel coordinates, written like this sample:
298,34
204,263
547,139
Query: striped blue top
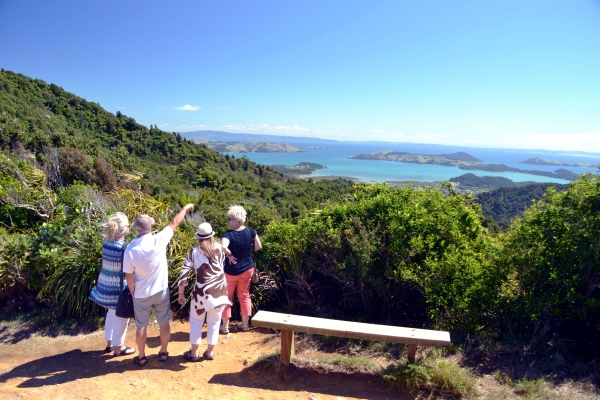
106,291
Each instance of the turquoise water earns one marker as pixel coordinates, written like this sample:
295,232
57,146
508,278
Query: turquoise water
335,158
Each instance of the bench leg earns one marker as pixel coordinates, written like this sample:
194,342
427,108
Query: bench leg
287,347
412,351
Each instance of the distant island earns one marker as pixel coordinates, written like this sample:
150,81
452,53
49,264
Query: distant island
303,168
543,161
313,148
461,160
560,173
453,160
252,147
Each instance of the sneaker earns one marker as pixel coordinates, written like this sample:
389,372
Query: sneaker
242,327
224,329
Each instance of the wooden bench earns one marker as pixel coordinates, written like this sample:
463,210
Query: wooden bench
288,324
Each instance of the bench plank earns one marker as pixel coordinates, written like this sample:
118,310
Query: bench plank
353,330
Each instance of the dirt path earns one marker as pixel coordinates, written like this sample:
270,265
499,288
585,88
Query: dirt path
74,367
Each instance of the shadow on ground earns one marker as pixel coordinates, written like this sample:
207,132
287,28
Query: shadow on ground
268,374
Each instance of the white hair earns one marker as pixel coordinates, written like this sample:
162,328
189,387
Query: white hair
115,226
238,213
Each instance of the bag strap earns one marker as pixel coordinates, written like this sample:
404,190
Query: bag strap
122,257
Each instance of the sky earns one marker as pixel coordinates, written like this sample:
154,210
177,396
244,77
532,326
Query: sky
509,74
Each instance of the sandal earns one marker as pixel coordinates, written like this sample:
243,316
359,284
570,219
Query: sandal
142,362
211,357
107,350
163,356
188,356
125,352
243,328
224,330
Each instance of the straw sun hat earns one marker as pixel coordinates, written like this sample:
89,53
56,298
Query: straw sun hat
204,231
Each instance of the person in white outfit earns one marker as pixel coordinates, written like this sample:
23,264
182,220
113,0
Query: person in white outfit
147,272
209,296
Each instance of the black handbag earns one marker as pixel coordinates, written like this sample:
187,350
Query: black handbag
125,302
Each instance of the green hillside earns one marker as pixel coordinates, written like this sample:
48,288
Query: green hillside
73,139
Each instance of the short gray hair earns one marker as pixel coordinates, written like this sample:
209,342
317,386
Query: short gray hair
237,212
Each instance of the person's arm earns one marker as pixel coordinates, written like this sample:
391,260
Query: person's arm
180,215
181,299
183,277
257,244
130,283
228,253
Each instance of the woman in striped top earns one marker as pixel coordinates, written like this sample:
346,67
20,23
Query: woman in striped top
107,289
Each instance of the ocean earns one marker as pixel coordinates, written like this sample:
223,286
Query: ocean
335,157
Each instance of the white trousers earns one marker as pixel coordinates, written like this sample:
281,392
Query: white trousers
115,328
213,321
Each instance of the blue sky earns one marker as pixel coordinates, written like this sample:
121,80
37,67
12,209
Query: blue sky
516,74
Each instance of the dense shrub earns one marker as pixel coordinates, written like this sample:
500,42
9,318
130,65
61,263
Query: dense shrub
390,256
551,258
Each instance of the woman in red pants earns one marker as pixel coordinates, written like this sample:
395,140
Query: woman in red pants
238,243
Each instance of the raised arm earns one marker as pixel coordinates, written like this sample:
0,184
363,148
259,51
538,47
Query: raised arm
180,215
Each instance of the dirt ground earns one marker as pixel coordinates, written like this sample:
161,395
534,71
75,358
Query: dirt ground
75,367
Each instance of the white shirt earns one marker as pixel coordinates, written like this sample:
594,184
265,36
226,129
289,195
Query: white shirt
146,258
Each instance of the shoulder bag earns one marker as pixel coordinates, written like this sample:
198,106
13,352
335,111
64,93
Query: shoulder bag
256,273
125,302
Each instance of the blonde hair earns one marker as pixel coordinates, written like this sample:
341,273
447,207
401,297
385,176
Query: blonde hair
238,213
207,248
116,226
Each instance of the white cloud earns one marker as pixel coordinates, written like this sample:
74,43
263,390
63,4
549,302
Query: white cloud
188,107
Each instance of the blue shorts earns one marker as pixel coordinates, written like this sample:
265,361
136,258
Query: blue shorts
160,302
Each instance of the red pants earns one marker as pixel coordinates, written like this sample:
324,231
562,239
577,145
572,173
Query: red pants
242,282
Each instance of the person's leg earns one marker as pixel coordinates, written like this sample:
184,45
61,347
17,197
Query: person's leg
141,335
196,322
109,322
212,327
142,308
119,332
243,288
231,283
162,310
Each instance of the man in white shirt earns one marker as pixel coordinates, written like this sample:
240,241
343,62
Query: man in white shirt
147,274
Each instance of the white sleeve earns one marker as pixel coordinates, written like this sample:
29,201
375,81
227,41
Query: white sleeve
163,237
128,266
187,265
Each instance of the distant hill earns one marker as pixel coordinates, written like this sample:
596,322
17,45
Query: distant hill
506,204
560,173
543,161
303,168
461,156
472,181
220,136
252,147
454,159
